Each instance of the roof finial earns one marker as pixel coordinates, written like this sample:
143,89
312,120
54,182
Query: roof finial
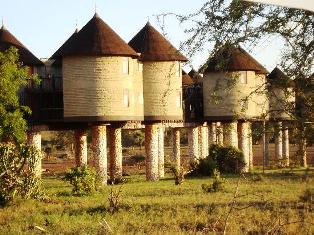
148,23
76,26
2,27
96,15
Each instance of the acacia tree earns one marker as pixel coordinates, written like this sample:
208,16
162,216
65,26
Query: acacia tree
221,23
13,77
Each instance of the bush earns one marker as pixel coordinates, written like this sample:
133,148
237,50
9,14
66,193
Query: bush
225,159
216,186
308,196
83,179
18,172
178,174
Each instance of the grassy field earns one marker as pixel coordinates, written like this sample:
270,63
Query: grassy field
262,205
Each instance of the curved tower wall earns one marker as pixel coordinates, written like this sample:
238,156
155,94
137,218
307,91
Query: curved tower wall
224,94
281,103
97,88
162,90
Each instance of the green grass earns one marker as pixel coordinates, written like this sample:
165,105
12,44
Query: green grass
271,205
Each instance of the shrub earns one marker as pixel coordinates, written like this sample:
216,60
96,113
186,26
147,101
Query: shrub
18,172
179,174
225,159
308,195
216,186
83,179
114,200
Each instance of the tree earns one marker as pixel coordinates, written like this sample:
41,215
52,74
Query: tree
13,77
221,23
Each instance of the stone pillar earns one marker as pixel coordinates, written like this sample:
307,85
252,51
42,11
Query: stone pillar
219,131
285,145
266,144
115,153
244,143
151,148
212,138
176,147
80,137
193,143
251,147
34,139
99,144
203,141
278,141
230,134
161,152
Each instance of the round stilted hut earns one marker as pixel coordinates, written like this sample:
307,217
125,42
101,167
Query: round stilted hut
162,87
281,110
102,86
232,80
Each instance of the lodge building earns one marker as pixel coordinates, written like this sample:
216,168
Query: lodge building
97,81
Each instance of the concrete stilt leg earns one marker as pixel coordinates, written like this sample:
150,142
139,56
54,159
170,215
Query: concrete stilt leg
176,147
220,136
99,143
212,139
285,145
80,147
230,134
278,141
244,143
266,147
193,143
204,141
161,152
151,148
115,153
251,147
34,139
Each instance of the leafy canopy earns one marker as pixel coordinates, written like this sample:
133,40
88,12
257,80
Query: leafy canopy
13,77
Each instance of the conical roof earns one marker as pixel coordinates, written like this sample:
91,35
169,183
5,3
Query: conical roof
232,58
96,38
58,53
186,79
279,78
154,47
7,40
196,77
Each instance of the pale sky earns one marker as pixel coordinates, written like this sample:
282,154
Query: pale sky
43,25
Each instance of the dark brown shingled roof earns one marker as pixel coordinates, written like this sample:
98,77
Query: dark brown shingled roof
279,78
7,40
58,53
154,47
186,79
96,38
196,77
232,58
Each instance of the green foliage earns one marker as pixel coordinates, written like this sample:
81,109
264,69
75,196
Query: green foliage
18,172
216,186
83,179
132,138
225,159
13,76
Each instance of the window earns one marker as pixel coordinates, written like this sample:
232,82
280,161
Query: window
243,78
178,69
178,99
125,65
140,98
126,100
140,67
